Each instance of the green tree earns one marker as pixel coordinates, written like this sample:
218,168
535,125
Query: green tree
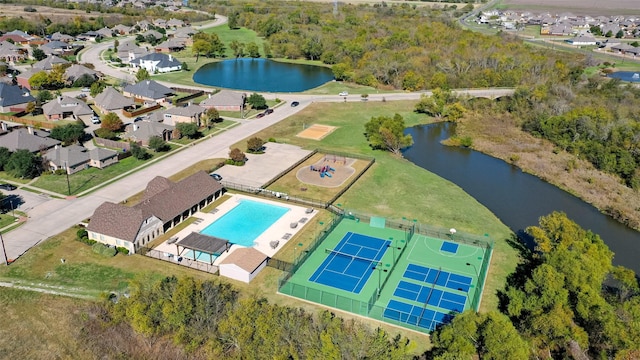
201,46
85,80
387,133
111,122
69,133
252,50
189,130
38,54
43,96
620,34
211,116
39,80
157,144
24,164
255,145
139,152
237,47
31,106
232,20
257,101
441,104
237,156
142,75
97,88
5,155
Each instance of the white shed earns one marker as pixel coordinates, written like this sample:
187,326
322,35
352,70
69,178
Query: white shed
243,264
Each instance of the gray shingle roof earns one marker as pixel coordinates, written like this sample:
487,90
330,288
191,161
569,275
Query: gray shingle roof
111,99
21,139
65,104
146,129
67,156
14,94
163,60
188,111
101,154
47,64
149,89
116,220
224,98
76,71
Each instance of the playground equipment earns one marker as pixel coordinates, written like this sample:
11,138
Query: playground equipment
324,170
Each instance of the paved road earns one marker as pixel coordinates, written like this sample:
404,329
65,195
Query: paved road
54,216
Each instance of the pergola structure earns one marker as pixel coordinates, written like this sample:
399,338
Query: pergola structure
204,244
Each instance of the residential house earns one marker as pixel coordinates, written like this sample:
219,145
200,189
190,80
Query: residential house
611,29
184,114
143,25
144,130
58,36
105,32
17,39
184,35
122,29
14,98
89,36
148,90
153,33
129,51
164,205
157,63
111,100
49,62
59,48
225,100
11,53
175,23
65,106
161,23
27,139
582,40
243,264
75,72
75,158
171,45
23,78
622,48
101,158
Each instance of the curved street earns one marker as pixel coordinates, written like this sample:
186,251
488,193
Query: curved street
56,215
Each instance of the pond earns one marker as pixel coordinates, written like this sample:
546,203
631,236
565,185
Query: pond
632,76
262,75
517,198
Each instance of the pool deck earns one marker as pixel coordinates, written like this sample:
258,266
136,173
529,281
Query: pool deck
280,231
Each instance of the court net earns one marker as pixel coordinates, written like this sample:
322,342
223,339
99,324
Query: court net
350,256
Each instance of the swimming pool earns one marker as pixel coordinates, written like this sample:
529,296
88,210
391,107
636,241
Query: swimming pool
245,222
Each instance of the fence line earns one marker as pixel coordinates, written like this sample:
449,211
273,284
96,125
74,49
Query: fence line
353,181
289,169
269,194
197,265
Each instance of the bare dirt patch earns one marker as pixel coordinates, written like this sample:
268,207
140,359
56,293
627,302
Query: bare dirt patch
582,7
316,132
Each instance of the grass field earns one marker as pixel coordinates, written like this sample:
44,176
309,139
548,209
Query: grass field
395,188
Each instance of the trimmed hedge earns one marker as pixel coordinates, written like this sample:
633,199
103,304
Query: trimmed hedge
104,250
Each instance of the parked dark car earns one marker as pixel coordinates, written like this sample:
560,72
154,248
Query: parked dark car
259,115
8,187
268,111
216,177
294,104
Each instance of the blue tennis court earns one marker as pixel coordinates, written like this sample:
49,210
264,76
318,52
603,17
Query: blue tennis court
440,278
434,297
350,264
415,315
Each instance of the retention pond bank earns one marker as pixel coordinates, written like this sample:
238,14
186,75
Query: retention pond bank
517,198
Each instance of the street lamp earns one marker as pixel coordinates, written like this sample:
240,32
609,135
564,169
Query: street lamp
475,269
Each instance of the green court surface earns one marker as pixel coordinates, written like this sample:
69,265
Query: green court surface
420,282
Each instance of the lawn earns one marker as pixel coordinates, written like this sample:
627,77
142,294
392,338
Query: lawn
242,35
396,188
221,126
88,178
6,176
6,220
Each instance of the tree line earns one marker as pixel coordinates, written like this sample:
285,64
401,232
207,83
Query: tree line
564,301
195,319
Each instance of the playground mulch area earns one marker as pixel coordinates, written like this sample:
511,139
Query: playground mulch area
316,132
310,185
328,172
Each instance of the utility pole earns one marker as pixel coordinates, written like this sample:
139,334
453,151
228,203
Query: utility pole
66,170
4,251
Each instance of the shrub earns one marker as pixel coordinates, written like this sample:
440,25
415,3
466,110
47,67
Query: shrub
122,250
466,141
271,139
82,234
104,250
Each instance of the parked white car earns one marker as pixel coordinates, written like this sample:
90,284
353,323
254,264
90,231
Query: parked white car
344,93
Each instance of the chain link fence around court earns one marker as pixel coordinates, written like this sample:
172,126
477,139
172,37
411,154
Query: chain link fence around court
161,255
